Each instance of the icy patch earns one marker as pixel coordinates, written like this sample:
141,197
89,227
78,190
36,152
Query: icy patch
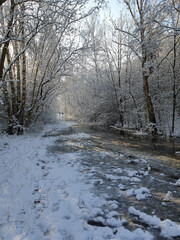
143,173
78,136
141,160
140,133
113,222
150,220
121,186
139,173
125,178
164,204
112,177
97,182
96,211
167,197
124,234
178,183
113,205
133,161
104,154
118,170
113,214
56,127
131,173
168,228
141,193
135,179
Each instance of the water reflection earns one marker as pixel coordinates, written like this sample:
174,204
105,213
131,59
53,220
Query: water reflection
159,147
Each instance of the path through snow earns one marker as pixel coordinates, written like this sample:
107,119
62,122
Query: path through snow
60,186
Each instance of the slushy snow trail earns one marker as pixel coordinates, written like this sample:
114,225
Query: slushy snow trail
59,186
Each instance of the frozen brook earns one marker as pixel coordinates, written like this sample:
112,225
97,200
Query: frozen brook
73,183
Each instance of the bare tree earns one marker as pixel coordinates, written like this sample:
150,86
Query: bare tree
144,42
26,25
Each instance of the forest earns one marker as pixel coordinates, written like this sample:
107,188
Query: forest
72,71
68,56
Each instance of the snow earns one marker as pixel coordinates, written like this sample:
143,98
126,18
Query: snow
118,170
164,204
124,234
77,136
178,183
132,173
125,178
121,186
167,197
141,193
135,179
150,220
168,228
46,195
112,177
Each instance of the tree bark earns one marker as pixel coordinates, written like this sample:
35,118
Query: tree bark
12,86
174,86
29,112
2,64
140,23
23,97
18,74
148,99
9,109
145,74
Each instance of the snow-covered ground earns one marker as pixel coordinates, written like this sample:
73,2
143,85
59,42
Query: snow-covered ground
48,195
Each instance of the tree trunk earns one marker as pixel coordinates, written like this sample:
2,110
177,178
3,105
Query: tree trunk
18,74
9,109
145,74
12,86
29,112
174,86
23,97
2,65
128,80
149,104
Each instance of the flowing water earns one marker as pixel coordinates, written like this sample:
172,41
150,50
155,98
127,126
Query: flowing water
155,162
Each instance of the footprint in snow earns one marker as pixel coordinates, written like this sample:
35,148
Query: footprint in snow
45,174
65,235
36,190
55,207
46,229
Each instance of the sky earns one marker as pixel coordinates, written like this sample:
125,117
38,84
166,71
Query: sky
113,9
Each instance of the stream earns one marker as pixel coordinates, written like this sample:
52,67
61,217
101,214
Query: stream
117,165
